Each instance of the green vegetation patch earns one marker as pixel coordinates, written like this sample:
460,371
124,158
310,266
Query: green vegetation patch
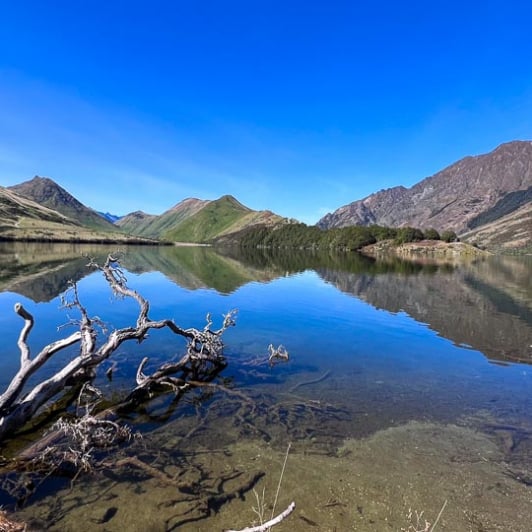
301,236
209,222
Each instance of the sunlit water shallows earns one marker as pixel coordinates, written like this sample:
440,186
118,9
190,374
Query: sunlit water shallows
408,390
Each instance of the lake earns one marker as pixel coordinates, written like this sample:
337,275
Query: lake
407,397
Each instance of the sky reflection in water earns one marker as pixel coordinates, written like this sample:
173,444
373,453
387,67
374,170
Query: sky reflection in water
395,329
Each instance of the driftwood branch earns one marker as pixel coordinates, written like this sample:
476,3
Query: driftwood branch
276,354
22,344
272,522
204,352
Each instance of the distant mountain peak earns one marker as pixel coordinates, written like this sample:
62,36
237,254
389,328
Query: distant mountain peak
113,218
48,193
138,214
38,178
188,203
228,198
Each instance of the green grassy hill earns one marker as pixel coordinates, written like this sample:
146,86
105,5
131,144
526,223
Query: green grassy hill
197,221
151,226
210,221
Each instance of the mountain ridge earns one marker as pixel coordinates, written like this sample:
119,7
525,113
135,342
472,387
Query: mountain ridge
479,197
454,198
156,226
11,204
22,218
48,193
193,220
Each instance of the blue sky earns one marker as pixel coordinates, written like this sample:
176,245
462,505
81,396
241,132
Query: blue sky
298,107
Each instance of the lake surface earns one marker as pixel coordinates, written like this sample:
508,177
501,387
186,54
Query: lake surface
408,390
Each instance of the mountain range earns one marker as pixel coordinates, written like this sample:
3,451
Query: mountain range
485,199
195,220
40,209
477,197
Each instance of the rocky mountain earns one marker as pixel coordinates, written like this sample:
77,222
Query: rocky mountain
14,208
195,220
468,194
191,220
48,193
24,219
508,233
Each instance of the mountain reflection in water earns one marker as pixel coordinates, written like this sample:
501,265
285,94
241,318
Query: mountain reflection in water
486,305
460,305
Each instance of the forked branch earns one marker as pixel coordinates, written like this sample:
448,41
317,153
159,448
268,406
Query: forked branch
204,351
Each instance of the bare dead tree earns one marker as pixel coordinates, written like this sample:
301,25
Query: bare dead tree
203,355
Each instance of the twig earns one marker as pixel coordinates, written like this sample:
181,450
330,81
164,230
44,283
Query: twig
272,522
439,515
281,478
